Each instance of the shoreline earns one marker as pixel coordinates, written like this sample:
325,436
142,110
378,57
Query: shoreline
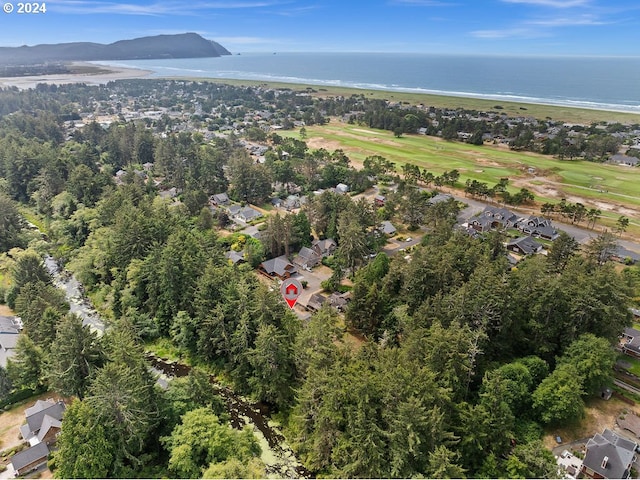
556,111
81,72
92,73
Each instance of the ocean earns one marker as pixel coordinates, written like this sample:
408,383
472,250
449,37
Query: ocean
605,83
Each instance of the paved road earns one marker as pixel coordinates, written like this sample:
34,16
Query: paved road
626,386
581,234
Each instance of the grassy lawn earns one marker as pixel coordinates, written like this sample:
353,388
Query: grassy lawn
599,414
614,189
634,362
485,163
31,217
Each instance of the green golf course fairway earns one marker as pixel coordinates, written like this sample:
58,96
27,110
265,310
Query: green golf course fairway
611,188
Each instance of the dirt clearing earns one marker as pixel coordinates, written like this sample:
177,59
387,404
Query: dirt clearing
599,414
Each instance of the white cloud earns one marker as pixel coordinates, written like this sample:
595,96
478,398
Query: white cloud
508,33
553,3
424,3
82,7
568,21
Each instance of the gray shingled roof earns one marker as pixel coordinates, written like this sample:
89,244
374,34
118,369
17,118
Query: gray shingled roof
48,422
526,244
55,410
8,341
235,257
619,453
30,455
279,265
38,406
8,325
388,228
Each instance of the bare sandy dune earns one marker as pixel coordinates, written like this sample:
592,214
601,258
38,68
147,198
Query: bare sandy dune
95,75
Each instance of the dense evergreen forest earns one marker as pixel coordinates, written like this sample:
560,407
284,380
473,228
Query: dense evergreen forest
464,361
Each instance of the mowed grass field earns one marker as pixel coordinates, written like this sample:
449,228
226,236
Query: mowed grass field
613,189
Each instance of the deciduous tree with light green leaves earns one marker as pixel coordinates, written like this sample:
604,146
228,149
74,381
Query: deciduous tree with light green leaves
558,399
201,442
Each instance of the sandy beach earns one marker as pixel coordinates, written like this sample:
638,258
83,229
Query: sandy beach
84,73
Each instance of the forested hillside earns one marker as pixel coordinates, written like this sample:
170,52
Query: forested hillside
464,360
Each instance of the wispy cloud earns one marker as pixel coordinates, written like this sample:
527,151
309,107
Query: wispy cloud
508,33
586,15
424,3
583,20
82,7
553,3
297,11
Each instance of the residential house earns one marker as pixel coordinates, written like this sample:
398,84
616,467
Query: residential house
629,334
630,342
624,255
339,301
493,218
439,198
316,301
291,202
44,421
620,159
608,456
30,459
120,174
220,199
248,214
10,329
538,227
325,247
233,210
524,246
387,228
278,267
168,194
235,257
342,188
307,258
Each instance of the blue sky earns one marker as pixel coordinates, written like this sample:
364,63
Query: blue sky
506,27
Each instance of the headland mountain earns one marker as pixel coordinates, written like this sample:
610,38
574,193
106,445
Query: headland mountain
184,45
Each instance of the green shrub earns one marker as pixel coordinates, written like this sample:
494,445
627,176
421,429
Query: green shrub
18,396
